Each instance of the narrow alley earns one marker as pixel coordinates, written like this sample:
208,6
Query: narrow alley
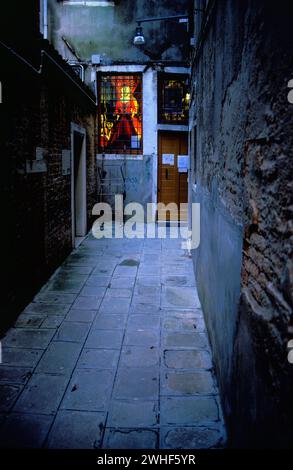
113,353
117,114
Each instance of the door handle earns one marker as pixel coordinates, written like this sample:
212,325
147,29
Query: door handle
166,174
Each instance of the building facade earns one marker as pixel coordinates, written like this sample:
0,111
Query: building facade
49,182
142,91
241,174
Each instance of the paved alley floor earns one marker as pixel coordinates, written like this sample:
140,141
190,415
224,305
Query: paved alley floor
112,353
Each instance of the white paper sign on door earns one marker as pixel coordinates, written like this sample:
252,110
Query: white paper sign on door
168,158
182,163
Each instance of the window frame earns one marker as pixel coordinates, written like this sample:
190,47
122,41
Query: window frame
127,151
169,76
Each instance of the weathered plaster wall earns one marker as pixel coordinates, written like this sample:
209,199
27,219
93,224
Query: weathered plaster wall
244,183
109,31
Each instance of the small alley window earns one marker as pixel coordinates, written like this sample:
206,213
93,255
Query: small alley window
173,99
120,113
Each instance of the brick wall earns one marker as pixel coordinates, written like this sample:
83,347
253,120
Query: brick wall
38,112
244,183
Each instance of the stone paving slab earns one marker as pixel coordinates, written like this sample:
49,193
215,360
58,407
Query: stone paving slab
106,339
130,439
14,375
133,356
77,430
133,414
25,431
47,308
110,322
81,315
31,339
42,394
188,411
20,357
88,390
141,337
142,382
59,358
205,437
75,332
112,353
186,383
98,359
8,396
190,359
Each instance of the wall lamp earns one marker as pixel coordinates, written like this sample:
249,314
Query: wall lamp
139,39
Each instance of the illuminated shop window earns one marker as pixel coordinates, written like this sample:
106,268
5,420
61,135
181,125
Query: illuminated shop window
173,99
120,114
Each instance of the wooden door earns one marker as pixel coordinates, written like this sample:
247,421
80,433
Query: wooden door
172,185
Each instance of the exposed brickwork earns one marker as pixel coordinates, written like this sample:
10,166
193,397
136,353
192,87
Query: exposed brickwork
244,171
38,112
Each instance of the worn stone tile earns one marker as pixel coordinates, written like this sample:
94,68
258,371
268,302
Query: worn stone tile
8,395
185,297
185,340
127,271
53,321
122,282
42,394
120,293
115,306
86,429
130,414
149,291
104,269
59,298
190,359
178,281
110,322
31,339
204,437
96,291
148,281
140,382
26,320
187,383
75,332
98,281
98,359
80,259
105,339
81,315
87,303
47,308
22,431
144,321
71,268
189,410
184,324
21,357
72,283
141,337
89,390
14,375
133,356
145,308
60,358
130,439
153,300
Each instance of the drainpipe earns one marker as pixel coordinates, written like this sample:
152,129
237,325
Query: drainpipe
45,19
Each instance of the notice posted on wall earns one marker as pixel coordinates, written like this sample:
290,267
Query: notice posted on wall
182,163
168,158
